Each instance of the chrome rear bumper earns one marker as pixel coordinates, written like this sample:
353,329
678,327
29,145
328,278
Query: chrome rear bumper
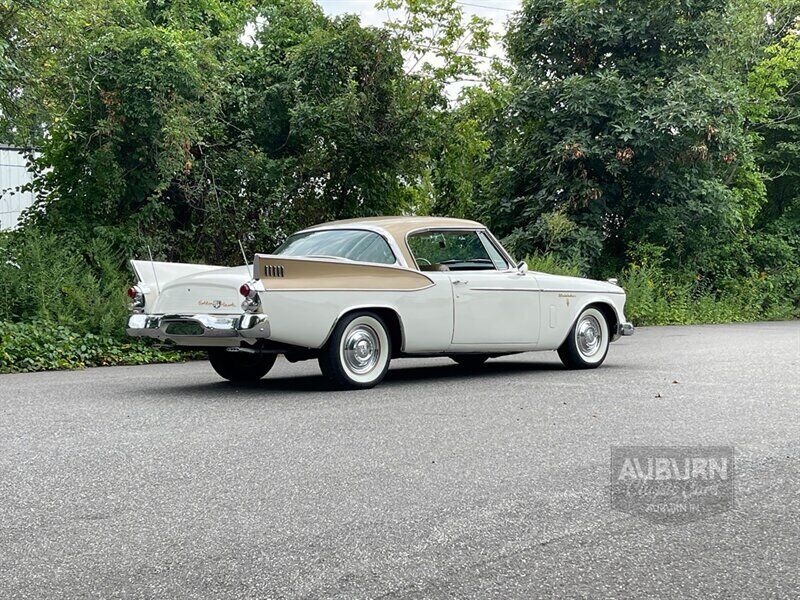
176,327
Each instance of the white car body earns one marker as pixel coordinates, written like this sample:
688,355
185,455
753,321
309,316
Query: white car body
297,300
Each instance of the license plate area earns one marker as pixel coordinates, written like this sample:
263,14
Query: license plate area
184,328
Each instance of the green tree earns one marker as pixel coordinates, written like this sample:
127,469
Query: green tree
165,129
624,127
458,178
445,51
774,85
321,122
440,42
22,57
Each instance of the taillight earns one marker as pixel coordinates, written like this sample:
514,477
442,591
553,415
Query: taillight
251,301
136,295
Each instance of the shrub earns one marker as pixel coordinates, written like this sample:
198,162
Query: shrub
63,306
549,263
656,297
54,279
660,296
46,346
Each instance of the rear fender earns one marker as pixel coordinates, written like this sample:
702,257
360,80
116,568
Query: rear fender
154,275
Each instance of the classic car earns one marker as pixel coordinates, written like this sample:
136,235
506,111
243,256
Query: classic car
355,294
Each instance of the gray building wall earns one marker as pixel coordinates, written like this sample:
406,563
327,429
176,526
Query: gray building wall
13,173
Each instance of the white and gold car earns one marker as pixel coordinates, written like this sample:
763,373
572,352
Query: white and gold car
354,294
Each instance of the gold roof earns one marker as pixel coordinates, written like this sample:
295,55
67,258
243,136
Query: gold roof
399,226
402,225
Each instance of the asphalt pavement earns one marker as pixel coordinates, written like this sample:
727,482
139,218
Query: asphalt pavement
166,482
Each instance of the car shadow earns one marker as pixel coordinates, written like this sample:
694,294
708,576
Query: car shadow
397,376
489,370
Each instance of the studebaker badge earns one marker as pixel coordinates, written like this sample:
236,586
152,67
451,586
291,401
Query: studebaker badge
356,294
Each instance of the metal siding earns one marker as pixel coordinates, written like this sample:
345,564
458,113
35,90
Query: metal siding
13,174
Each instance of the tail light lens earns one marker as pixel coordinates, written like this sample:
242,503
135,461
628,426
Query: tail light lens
251,302
136,295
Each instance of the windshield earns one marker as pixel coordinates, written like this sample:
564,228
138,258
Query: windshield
352,244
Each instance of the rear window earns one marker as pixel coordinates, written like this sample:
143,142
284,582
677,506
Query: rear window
352,244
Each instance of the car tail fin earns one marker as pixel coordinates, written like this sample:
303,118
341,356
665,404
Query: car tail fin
157,274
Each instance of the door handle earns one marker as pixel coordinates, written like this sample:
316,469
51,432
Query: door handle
460,282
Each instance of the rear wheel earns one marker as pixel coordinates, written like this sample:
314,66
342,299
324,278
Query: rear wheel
240,367
586,345
358,352
470,361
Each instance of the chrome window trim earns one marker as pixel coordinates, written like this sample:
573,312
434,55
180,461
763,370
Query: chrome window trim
509,260
485,239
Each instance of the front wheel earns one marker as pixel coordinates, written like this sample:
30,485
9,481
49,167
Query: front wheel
240,367
358,352
586,345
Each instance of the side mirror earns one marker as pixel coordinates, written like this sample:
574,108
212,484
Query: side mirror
522,267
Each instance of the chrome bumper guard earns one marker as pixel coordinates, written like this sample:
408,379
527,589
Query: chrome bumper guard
625,329
250,326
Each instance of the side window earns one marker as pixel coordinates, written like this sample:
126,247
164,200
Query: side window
500,263
449,251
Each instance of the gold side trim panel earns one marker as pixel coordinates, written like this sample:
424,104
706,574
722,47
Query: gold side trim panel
279,272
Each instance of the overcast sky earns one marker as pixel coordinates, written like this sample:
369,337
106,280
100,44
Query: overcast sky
496,11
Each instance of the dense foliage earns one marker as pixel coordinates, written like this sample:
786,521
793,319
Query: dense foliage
658,135
652,140
628,134
178,135
43,346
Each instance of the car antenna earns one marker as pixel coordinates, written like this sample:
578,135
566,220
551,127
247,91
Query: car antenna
244,256
152,266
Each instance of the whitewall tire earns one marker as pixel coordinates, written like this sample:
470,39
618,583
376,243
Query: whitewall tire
358,352
586,345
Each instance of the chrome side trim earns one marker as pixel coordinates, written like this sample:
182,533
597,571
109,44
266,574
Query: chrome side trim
504,289
583,291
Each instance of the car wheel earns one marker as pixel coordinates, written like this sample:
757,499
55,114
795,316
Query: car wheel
358,352
240,367
471,361
586,345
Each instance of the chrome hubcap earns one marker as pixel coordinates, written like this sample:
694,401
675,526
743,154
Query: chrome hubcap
362,348
589,336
